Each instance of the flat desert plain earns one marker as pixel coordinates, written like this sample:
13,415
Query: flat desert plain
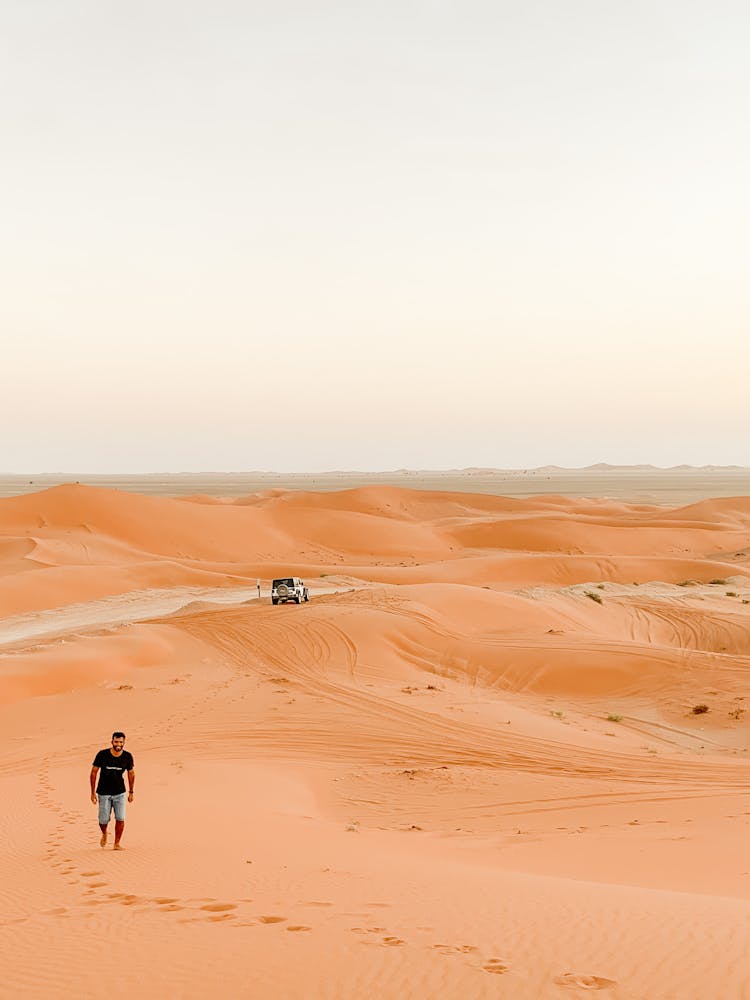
502,751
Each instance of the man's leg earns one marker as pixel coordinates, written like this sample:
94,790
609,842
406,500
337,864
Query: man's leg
105,807
118,803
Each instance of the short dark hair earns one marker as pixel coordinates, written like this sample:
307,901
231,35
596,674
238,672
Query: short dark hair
118,734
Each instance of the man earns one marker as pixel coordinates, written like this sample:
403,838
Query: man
111,789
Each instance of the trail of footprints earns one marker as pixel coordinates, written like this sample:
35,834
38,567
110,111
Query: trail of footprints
236,914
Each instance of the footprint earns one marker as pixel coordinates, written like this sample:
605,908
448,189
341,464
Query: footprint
219,907
90,874
495,965
298,927
453,949
272,920
393,942
582,982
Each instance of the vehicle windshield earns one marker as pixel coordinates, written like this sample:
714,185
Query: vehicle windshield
288,580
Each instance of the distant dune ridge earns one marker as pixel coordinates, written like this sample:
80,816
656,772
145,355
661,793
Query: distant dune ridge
679,484
503,748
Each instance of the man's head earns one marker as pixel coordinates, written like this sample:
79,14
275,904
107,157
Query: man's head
118,741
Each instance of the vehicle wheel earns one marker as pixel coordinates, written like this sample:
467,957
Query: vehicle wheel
307,596
296,600
274,600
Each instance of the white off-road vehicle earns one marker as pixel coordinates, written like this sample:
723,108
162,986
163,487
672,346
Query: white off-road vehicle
288,588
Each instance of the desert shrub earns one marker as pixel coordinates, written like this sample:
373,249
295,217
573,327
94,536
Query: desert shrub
717,582
699,709
687,583
732,593
594,597
557,715
613,717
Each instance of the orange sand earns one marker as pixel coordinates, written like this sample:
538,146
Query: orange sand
468,768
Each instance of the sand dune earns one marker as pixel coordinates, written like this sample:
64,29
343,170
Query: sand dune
366,530
469,767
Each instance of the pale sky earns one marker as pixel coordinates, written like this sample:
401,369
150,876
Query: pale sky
303,236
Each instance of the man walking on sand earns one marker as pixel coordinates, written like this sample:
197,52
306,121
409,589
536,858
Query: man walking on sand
110,793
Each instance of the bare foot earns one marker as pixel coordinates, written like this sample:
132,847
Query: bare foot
103,841
118,847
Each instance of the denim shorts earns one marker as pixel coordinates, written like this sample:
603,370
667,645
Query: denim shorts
109,802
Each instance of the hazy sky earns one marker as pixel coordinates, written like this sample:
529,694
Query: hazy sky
307,236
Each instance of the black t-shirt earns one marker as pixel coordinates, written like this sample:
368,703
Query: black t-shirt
111,771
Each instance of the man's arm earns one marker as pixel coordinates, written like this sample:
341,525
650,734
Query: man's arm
131,784
92,778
